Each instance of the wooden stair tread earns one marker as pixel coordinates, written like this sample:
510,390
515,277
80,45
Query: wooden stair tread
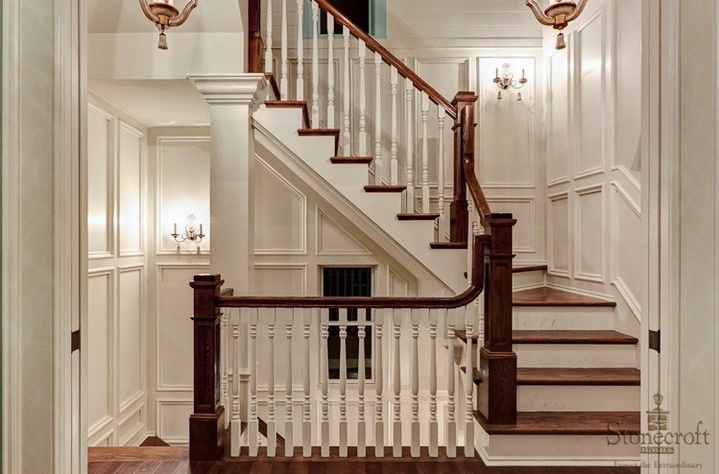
529,268
417,217
322,132
545,296
567,423
291,104
578,376
344,160
384,188
448,245
571,337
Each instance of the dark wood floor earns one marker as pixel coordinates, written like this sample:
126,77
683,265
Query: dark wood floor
161,460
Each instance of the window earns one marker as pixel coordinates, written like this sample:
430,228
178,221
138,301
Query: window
370,15
348,282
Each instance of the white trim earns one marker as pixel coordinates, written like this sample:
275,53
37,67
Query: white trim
578,239
628,176
628,297
551,269
321,217
581,292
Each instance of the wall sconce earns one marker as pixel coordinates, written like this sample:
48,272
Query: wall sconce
557,15
506,80
191,234
165,15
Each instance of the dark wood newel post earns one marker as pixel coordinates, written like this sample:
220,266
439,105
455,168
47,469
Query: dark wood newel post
207,422
254,38
498,362
458,212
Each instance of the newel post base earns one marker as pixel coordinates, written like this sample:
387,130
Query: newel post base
207,422
498,390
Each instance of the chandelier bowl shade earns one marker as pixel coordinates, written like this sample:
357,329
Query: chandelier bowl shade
164,14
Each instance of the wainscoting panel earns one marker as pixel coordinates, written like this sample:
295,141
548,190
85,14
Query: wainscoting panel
130,173
332,240
99,359
558,238
589,244
626,238
172,420
524,209
100,180
131,321
559,139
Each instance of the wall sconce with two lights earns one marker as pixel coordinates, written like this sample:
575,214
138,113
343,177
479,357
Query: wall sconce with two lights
192,234
507,81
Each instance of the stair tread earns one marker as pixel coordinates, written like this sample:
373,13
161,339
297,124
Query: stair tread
384,188
321,132
417,216
339,160
448,245
541,336
567,423
529,268
546,296
560,336
291,104
578,376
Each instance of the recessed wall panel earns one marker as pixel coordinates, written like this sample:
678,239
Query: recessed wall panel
590,232
99,183
524,233
590,102
130,195
559,139
558,209
99,338
131,334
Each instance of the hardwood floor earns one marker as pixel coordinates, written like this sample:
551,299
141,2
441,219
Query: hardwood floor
154,460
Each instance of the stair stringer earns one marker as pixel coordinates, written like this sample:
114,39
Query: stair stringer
342,186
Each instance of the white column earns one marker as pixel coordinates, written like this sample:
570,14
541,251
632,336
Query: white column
451,441
300,83
346,94
378,165
315,111
433,428
330,71
396,386
306,411
269,60
362,99
394,150
284,58
289,418
425,153
380,315
414,319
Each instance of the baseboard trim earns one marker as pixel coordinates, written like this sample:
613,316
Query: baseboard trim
559,461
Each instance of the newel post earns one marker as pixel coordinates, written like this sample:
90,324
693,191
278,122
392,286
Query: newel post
207,422
498,362
463,143
254,38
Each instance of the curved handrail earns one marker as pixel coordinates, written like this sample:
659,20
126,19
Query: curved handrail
404,70
475,189
463,299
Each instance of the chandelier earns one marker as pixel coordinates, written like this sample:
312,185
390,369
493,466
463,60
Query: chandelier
558,15
164,14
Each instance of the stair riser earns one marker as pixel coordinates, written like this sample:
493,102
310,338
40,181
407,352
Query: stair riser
570,318
575,355
577,398
527,279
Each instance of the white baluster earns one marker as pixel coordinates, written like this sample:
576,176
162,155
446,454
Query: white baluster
253,428
289,418
284,61
441,117
394,150
346,96
415,319
271,404
397,382
433,428
226,349
315,65
469,386
343,383
378,165
268,47
306,412
300,84
451,421
425,154
330,71
409,118
236,423
325,377
378,383
362,99
361,421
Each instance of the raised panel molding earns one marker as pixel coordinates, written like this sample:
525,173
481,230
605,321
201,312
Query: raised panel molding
558,240
131,335
280,214
101,331
626,228
131,179
590,246
334,241
293,286
560,138
173,428
628,176
163,354
100,174
525,231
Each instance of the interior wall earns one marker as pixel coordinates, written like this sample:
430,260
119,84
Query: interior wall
117,278
593,123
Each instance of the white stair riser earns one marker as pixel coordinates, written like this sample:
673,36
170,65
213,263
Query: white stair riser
565,317
548,450
575,355
577,398
528,279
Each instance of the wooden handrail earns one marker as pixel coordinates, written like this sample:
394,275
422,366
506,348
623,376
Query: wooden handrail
475,189
404,70
463,299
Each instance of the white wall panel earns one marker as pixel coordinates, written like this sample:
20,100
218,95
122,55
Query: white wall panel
131,319
332,240
172,424
99,182
524,237
280,214
99,357
559,139
506,127
558,238
277,279
626,238
130,166
589,234
183,180
590,99
174,327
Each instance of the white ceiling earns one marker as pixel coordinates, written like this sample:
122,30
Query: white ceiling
125,16
156,103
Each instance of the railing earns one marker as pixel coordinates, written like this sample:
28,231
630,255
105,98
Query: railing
220,318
